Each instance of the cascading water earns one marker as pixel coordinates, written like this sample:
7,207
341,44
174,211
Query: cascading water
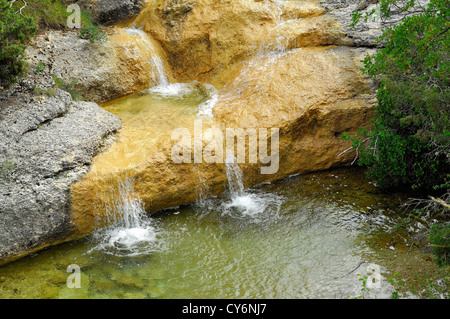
159,76
266,54
132,232
234,176
252,203
166,90
315,239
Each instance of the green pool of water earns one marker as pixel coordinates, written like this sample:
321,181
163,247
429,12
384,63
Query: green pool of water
320,233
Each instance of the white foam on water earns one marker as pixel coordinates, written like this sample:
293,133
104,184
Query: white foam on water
184,90
132,232
247,204
171,90
253,205
206,108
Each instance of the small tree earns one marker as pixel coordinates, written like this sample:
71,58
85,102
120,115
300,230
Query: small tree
410,141
439,237
15,32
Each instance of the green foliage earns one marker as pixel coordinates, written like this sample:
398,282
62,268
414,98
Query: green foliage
19,22
364,289
398,284
39,67
92,33
48,13
5,169
49,92
410,140
439,237
68,87
15,32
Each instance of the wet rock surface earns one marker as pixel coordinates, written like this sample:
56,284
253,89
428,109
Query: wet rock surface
291,65
100,71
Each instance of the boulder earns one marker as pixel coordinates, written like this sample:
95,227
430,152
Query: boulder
100,71
47,142
108,12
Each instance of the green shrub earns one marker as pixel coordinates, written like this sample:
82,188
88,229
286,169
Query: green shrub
19,22
39,67
410,140
49,13
439,237
68,87
15,32
92,33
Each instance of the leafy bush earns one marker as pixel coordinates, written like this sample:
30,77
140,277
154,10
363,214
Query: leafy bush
48,13
39,67
92,33
439,237
68,87
15,32
410,140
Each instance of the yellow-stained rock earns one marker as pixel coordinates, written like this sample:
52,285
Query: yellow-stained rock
311,95
202,38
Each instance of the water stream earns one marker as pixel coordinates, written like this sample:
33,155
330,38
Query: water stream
130,232
301,237
325,229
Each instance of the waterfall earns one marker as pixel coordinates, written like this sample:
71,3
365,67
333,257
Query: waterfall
258,69
128,211
234,177
165,89
160,77
131,231
254,204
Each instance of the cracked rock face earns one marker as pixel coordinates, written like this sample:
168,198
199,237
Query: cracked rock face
47,142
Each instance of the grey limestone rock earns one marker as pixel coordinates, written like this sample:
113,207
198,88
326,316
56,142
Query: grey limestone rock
47,142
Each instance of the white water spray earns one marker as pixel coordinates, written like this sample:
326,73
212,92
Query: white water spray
165,89
132,232
258,206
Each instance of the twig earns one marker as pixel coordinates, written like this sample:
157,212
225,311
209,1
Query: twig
348,149
440,201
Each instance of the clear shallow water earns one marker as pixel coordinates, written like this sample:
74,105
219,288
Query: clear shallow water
316,233
302,237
